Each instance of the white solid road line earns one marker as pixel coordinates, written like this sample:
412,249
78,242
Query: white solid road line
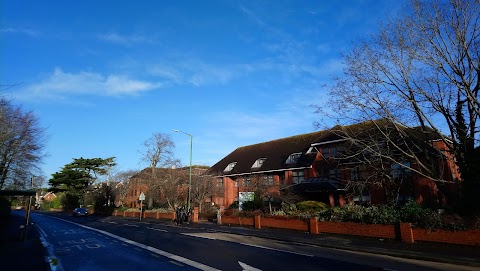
149,248
280,250
53,261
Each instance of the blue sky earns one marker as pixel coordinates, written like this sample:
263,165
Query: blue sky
103,76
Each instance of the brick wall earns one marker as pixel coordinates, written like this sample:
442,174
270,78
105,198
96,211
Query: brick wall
458,237
404,231
291,224
380,231
246,221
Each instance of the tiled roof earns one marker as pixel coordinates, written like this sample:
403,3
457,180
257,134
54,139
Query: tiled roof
276,153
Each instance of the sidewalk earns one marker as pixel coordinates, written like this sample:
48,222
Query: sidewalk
16,254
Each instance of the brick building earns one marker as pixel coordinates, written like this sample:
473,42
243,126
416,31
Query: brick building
140,182
323,166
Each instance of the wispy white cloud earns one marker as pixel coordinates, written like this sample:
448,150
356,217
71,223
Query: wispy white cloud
195,73
125,39
23,31
61,85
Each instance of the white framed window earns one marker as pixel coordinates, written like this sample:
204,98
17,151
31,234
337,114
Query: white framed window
293,158
259,163
230,166
298,176
220,182
268,180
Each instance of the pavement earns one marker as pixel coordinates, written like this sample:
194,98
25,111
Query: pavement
14,251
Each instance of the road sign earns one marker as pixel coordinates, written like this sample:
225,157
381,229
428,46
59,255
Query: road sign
141,199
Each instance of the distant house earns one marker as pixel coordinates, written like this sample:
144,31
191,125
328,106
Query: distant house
140,183
322,166
49,196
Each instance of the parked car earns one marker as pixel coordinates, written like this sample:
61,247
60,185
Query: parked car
80,212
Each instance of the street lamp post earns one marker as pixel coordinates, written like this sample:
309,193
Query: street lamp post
190,175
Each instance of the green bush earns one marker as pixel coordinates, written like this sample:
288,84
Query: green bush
248,206
383,214
289,209
234,205
311,206
69,201
420,216
160,210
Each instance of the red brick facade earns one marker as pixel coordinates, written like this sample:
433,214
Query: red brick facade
322,164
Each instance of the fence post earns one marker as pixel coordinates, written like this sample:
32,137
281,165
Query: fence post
257,222
406,233
313,225
195,215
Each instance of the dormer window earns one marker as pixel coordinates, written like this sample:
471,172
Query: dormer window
293,158
259,163
230,166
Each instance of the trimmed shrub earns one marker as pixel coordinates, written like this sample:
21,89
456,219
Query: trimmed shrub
311,206
420,217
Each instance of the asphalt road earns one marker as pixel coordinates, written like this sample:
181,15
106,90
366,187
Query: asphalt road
113,243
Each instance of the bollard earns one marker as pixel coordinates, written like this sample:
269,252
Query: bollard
21,233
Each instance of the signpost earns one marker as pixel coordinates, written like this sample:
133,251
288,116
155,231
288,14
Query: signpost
141,198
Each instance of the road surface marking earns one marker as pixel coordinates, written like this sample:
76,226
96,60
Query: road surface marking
53,261
225,237
149,248
176,263
130,225
154,229
112,222
246,267
137,249
199,236
276,249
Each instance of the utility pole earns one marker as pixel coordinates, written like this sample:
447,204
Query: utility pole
29,207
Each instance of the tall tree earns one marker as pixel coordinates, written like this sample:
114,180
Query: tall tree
22,141
76,177
422,70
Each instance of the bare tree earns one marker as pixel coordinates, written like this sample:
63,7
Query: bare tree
420,70
204,187
22,142
158,153
167,187
120,185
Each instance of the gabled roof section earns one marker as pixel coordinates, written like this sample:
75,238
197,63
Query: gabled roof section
275,152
